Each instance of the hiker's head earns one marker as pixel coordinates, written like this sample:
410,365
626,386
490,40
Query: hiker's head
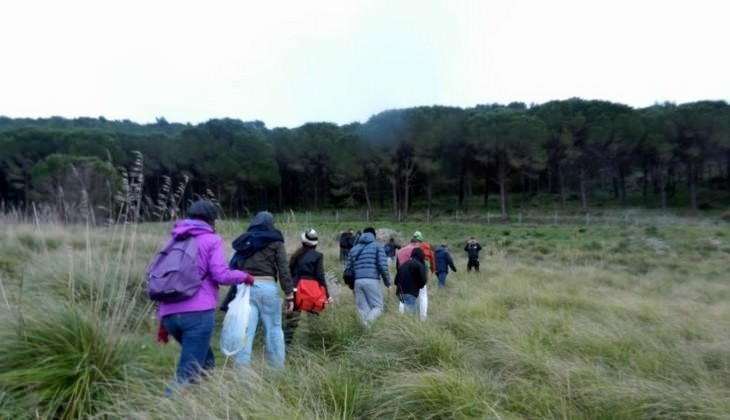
417,254
309,238
417,236
370,230
262,218
203,210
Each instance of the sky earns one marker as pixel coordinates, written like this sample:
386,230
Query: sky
287,63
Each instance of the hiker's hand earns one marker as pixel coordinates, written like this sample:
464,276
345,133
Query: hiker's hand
248,280
162,335
330,300
289,304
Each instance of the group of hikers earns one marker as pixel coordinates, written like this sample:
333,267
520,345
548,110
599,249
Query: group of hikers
413,262
260,263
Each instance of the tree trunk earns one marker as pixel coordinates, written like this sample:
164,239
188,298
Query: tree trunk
727,173
486,187
410,166
316,192
622,185
561,185
462,187
692,184
549,180
502,176
662,182
428,196
644,182
367,197
394,185
406,189
582,184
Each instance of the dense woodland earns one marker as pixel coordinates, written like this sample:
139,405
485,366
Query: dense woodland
577,153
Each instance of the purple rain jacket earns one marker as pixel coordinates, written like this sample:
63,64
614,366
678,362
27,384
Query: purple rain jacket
212,267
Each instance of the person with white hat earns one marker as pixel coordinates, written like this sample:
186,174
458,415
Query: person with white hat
305,262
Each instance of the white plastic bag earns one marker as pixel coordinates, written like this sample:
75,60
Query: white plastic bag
422,304
235,323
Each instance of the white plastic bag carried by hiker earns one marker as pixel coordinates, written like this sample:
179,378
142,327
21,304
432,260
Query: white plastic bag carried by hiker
235,323
422,304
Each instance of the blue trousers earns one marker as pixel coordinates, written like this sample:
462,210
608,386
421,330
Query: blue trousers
266,305
441,275
193,330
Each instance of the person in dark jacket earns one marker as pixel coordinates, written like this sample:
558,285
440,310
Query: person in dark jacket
390,248
368,261
305,262
443,263
191,321
410,279
472,249
404,254
347,241
268,266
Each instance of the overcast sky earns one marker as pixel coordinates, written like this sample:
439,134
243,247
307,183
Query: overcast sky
291,62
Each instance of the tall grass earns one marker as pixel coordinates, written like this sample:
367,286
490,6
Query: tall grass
561,322
68,319
65,362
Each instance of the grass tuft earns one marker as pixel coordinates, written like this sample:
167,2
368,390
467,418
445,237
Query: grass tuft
67,360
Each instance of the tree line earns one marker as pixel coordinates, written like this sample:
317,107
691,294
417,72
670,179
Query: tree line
569,152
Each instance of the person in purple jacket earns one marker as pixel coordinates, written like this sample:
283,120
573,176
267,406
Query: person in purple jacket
191,321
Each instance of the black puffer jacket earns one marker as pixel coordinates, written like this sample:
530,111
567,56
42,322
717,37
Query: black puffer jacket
411,276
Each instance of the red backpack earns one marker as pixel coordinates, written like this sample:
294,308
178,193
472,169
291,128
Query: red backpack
310,296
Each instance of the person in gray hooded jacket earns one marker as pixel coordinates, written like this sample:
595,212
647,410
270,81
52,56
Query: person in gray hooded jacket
367,259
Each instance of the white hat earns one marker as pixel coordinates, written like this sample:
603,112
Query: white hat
309,237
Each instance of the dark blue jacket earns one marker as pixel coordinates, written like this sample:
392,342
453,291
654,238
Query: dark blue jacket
444,260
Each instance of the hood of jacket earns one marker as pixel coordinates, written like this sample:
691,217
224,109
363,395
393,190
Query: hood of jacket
262,220
366,238
417,254
190,227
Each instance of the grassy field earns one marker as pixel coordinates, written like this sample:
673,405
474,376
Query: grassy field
596,322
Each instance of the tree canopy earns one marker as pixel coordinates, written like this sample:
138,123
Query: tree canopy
589,151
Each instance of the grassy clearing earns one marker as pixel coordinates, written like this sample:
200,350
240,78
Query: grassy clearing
570,322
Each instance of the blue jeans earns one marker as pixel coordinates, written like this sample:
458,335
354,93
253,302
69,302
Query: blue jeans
409,302
193,330
442,278
266,306
369,300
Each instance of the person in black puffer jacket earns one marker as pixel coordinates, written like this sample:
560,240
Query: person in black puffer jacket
411,278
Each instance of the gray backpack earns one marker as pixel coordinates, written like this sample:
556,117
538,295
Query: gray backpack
173,274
